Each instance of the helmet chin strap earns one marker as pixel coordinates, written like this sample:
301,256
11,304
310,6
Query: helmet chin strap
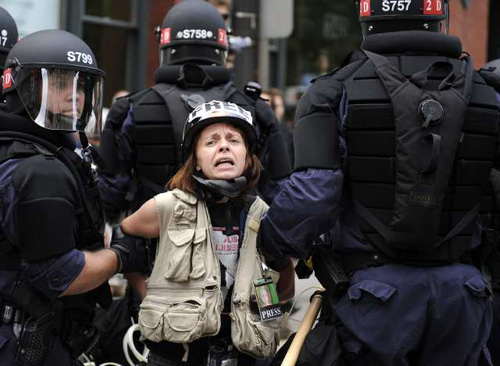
231,188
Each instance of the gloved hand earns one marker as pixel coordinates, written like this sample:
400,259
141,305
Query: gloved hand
131,250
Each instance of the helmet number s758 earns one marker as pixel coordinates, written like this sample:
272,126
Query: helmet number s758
79,57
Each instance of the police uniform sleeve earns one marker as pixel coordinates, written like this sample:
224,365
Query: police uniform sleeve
45,209
118,153
277,162
317,124
107,148
493,257
309,203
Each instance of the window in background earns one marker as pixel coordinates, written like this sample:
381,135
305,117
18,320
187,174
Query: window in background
325,33
116,30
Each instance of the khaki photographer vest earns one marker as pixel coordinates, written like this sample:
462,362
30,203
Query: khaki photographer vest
184,299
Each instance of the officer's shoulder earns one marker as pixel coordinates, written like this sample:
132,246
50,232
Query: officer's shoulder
120,108
238,97
118,111
41,175
323,89
145,96
490,78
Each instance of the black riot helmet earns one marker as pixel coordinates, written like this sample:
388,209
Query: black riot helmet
8,35
193,31
382,16
52,76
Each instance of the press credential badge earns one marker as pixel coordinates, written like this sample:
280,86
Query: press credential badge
267,299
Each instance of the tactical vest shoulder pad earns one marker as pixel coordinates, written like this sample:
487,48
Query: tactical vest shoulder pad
46,209
118,112
491,79
146,96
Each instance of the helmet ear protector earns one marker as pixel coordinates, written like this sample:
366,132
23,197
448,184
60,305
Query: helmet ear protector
218,112
382,16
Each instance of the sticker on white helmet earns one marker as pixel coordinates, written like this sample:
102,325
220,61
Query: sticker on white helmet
220,109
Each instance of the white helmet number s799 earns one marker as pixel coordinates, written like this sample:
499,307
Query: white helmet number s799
75,56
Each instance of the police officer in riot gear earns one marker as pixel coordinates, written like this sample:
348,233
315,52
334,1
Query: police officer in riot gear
142,135
393,153
53,268
491,73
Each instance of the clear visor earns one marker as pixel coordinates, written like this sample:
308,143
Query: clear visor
63,100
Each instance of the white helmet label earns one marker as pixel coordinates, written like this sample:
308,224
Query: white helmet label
220,109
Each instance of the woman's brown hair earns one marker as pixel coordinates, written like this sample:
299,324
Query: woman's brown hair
184,180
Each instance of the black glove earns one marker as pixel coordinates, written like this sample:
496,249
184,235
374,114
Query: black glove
132,252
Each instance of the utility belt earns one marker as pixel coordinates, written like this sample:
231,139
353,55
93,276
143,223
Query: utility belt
210,351
10,314
38,323
352,262
221,352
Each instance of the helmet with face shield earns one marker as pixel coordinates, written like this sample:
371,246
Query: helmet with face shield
52,76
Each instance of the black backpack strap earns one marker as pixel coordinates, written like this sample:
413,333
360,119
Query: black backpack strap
19,149
461,225
388,74
163,90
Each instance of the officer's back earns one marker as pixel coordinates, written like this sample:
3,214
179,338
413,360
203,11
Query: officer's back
405,137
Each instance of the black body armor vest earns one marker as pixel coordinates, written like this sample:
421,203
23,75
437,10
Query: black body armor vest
418,174
19,139
160,113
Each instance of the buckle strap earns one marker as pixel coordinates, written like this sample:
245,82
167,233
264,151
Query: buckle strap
354,261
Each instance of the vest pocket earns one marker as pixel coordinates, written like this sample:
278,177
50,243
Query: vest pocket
178,265
178,322
151,322
214,309
252,336
198,254
184,322
185,259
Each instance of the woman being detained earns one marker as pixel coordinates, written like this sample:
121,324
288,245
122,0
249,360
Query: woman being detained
201,306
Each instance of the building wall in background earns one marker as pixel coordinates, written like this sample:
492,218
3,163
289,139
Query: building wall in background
158,10
494,31
471,26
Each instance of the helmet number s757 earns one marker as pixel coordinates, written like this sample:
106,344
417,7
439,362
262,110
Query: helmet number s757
396,5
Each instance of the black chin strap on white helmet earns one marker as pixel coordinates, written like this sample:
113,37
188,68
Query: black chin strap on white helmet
231,188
